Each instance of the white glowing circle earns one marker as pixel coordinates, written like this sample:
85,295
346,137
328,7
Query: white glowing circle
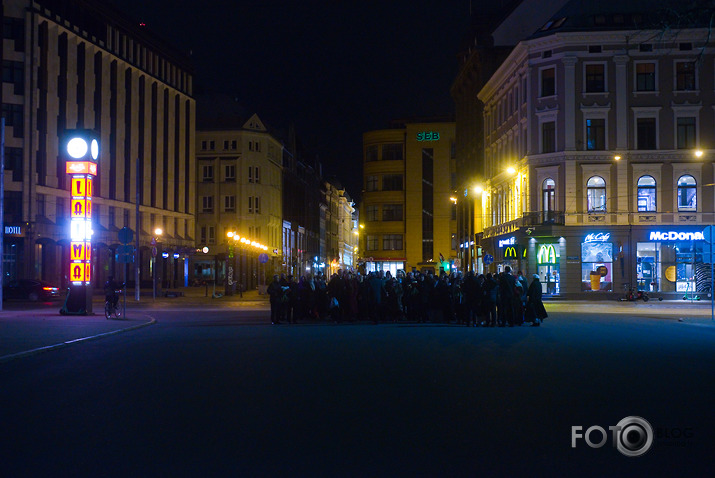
94,149
205,250
77,148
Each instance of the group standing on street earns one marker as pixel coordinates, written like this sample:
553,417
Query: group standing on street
487,300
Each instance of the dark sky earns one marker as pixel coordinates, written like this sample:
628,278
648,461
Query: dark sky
334,68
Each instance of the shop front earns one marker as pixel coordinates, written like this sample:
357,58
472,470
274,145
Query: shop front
672,260
548,256
597,262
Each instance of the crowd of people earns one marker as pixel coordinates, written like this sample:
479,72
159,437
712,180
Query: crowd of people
468,299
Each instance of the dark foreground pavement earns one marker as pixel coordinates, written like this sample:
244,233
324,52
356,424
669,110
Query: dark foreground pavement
212,393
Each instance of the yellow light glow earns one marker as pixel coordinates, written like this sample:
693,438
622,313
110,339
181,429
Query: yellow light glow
362,226
453,199
158,231
698,153
229,234
511,170
617,157
478,190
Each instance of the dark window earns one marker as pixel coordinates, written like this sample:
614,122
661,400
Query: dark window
392,152
548,137
392,212
546,54
686,46
427,204
685,75
14,72
594,48
371,183
392,182
595,78
13,161
14,29
371,153
646,133
645,47
371,213
645,77
371,243
686,133
392,242
595,134
13,115
548,82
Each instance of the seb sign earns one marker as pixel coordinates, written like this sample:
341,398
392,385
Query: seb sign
428,136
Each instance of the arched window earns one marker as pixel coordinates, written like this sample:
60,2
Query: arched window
548,194
687,193
646,194
596,194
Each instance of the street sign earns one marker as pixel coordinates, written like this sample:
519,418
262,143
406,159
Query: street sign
153,251
488,259
125,249
153,242
125,235
263,258
125,258
457,262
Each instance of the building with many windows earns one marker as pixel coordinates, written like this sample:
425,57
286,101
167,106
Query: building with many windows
408,206
239,211
599,136
79,64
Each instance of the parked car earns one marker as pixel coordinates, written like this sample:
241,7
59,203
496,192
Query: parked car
30,289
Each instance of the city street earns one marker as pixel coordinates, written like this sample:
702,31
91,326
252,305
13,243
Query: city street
211,389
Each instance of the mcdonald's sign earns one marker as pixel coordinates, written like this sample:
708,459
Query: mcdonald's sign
511,252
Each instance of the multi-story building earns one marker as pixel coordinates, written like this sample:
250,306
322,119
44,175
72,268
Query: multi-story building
592,126
408,204
495,30
80,64
239,194
301,210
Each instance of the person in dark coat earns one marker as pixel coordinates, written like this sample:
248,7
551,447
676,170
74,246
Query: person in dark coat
275,293
535,310
507,289
489,302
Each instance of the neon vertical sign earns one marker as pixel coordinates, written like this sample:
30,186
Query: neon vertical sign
82,148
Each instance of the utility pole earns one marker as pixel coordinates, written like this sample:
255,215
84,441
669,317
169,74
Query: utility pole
2,206
137,254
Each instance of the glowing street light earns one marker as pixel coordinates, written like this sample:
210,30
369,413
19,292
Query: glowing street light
699,153
510,170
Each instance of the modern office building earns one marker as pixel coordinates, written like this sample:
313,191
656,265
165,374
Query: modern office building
599,134
408,206
79,64
239,197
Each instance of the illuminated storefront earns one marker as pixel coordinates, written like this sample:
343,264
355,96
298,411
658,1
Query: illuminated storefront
672,261
597,262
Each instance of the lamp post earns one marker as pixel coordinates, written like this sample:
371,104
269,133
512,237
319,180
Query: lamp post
154,241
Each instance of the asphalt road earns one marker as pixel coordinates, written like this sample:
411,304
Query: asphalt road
214,391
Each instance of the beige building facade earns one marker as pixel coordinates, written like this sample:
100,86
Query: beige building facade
238,193
598,154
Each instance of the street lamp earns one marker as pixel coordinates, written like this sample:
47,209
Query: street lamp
154,241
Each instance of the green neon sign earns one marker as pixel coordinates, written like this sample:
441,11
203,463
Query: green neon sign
546,255
428,136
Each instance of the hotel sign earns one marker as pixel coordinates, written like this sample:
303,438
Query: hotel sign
14,231
676,236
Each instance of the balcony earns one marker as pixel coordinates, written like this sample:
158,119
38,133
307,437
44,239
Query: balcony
528,219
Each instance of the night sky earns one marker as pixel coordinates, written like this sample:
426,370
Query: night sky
333,68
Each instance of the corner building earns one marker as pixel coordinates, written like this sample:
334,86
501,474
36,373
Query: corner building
598,154
81,64
408,208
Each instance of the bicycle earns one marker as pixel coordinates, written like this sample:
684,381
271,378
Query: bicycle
110,309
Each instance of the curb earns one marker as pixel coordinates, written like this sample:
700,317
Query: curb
28,353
